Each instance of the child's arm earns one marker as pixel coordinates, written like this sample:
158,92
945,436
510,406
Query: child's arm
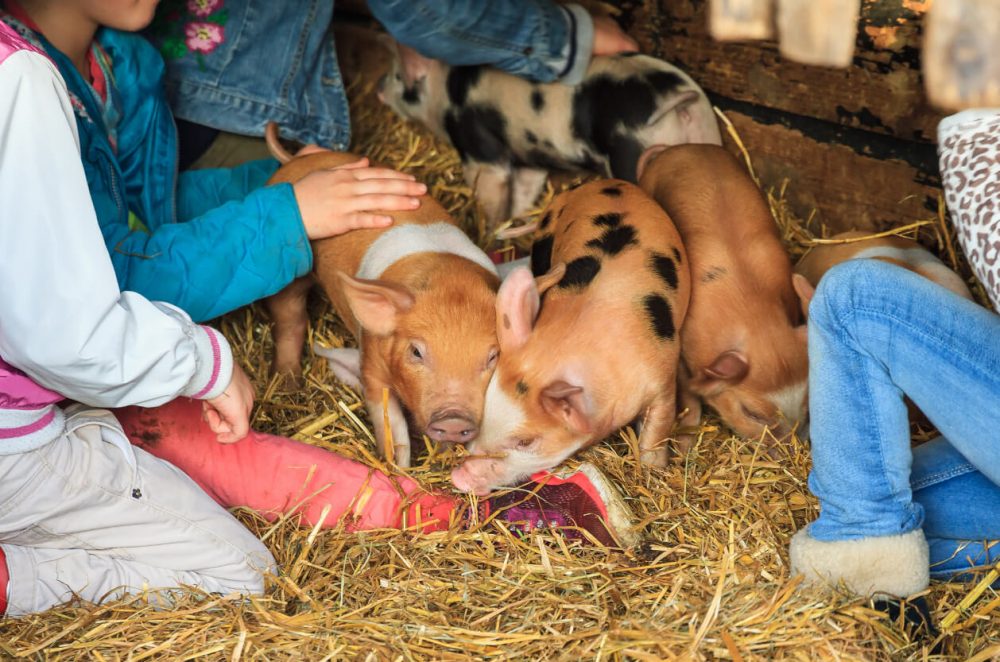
62,318
538,39
200,191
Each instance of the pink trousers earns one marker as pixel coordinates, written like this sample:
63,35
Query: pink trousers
276,476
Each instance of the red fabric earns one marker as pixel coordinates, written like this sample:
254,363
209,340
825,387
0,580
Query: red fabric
97,79
276,475
4,578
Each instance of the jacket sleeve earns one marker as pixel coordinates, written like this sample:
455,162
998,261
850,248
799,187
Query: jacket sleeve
200,191
238,243
228,257
63,320
537,39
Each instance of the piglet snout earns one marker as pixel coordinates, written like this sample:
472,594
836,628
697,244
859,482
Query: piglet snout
472,476
452,425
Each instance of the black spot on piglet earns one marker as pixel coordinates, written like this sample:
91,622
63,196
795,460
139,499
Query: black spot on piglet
614,240
580,272
608,220
660,315
537,100
665,268
460,80
541,256
664,81
531,137
478,132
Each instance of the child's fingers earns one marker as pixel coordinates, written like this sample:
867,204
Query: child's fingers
363,220
360,163
381,202
382,173
387,187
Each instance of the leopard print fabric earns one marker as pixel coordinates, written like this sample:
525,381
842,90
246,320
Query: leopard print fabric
969,154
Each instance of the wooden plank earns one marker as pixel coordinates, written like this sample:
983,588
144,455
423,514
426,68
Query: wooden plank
960,53
881,92
848,190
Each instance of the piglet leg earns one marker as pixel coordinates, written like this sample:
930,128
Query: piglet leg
690,404
656,427
374,399
492,185
291,322
527,185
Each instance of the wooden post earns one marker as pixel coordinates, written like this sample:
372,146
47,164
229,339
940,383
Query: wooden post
731,20
961,60
818,31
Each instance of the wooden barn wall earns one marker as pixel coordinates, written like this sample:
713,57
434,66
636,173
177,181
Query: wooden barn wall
857,144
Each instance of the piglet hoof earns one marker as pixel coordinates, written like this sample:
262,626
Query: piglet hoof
683,444
654,457
401,455
289,379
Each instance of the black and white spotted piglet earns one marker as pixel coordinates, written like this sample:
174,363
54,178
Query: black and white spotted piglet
510,132
589,341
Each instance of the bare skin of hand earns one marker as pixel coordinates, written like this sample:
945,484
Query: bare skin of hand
609,38
228,415
332,202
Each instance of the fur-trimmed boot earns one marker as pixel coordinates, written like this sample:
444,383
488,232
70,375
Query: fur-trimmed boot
897,565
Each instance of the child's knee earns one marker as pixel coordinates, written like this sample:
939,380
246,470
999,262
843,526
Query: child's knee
850,285
244,571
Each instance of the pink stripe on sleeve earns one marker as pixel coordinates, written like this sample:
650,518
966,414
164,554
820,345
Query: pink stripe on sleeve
216,362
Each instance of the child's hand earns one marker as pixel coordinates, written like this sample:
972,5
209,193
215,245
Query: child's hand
609,38
228,415
334,201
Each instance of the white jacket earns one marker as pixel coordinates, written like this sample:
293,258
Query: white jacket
63,320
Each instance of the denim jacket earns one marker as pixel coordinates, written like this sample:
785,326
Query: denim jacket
234,65
209,241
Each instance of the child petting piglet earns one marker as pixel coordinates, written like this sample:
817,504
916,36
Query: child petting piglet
83,511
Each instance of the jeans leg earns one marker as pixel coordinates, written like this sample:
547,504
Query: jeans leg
877,331
960,506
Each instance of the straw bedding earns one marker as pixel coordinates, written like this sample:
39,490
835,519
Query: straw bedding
711,582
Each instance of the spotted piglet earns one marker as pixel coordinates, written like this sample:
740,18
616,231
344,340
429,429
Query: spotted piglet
587,345
510,132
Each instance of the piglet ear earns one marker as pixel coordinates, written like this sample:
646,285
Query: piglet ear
568,402
517,307
376,304
415,66
731,366
805,290
678,103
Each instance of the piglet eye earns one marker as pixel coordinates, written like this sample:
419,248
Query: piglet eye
415,353
526,443
755,417
491,362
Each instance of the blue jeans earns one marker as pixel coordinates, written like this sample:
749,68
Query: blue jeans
877,332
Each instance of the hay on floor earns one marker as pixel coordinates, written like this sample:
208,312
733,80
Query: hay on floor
711,582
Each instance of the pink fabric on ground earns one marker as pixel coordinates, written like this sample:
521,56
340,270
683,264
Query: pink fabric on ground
275,475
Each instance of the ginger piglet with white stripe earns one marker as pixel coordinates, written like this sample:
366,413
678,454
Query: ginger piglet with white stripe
419,298
856,245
